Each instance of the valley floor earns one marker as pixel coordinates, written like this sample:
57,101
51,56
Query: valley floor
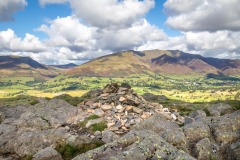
184,88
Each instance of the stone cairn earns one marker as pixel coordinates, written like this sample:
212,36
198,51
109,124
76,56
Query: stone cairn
121,108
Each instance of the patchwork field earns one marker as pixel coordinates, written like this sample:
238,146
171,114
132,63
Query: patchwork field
184,88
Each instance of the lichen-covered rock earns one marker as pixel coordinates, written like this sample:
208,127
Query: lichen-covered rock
49,114
196,131
30,143
136,145
203,149
198,114
7,135
109,136
226,128
220,109
188,120
47,154
2,117
233,152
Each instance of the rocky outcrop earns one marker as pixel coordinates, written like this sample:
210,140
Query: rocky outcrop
205,138
136,145
30,129
131,127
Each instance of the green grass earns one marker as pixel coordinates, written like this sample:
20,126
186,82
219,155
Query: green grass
98,126
69,151
91,117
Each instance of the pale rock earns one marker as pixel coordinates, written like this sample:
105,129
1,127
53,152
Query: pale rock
94,121
167,115
104,95
106,107
174,117
119,107
123,122
114,129
121,99
122,110
97,133
89,103
137,110
90,110
97,105
99,112
145,115
47,154
129,108
165,110
109,125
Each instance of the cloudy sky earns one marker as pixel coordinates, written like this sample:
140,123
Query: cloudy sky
63,31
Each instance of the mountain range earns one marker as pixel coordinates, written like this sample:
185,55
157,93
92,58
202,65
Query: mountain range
155,61
172,62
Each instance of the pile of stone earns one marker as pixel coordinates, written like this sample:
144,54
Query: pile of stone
121,108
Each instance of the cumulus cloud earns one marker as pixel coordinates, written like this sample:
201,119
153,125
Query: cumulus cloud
71,33
110,13
10,42
9,7
221,44
203,15
107,13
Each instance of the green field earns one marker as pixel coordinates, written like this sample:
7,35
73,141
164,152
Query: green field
184,88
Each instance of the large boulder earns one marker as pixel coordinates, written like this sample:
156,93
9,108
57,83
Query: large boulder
30,143
233,152
47,154
196,131
203,149
220,109
226,129
7,135
169,131
198,114
49,114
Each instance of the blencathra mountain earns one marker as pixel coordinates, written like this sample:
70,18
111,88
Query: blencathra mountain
155,61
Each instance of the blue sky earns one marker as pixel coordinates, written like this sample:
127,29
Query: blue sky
63,31
28,20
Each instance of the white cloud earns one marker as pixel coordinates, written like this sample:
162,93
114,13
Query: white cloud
111,13
203,15
107,13
69,32
9,7
221,44
128,38
10,42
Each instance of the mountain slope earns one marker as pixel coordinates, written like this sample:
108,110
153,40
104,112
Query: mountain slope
155,61
13,66
65,66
